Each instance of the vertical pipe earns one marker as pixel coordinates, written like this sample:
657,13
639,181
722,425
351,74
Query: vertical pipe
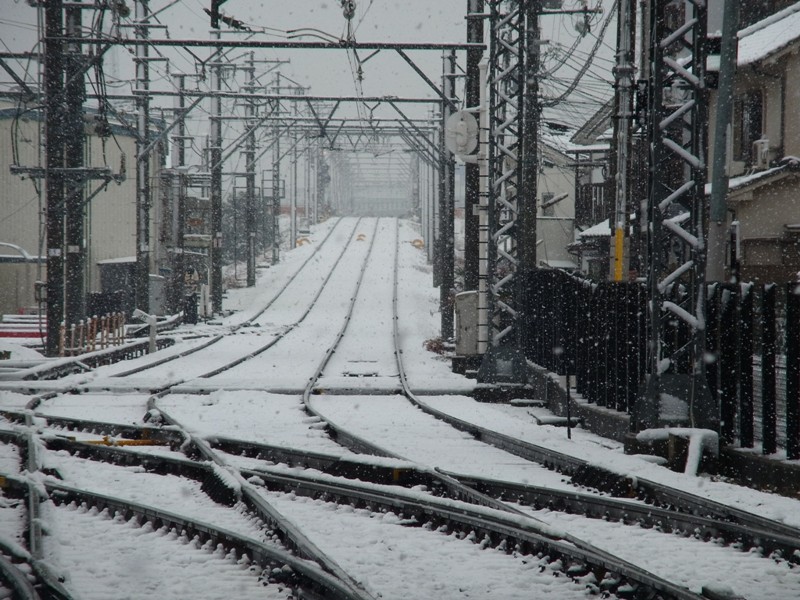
447,212
276,181
718,208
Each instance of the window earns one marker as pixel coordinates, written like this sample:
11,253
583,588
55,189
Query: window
748,127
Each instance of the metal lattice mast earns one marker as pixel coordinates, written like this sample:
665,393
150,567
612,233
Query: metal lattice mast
507,44
677,213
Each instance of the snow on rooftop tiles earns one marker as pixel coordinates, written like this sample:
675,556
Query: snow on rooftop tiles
769,36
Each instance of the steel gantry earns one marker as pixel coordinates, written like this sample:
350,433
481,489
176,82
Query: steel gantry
676,388
511,252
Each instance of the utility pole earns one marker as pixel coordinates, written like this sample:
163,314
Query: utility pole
718,209
623,73
179,214
215,161
54,164
295,157
472,169
527,189
276,181
142,277
75,93
447,209
250,178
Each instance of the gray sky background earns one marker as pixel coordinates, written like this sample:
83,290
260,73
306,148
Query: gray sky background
332,72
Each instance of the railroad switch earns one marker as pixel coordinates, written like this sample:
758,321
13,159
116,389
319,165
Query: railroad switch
108,441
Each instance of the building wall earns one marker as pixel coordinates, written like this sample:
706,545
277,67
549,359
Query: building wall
111,215
557,177
791,144
769,253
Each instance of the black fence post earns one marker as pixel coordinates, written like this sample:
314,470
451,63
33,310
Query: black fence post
792,371
582,335
596,327
712,339
727,363
746,367
768,408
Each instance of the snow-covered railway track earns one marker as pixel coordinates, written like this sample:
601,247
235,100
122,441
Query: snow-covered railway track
488,527
687,513
169,367
223,430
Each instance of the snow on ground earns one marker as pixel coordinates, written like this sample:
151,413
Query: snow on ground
685,561
274,419
392,423
594,449
304,345
402,563
419,320
103,557
169,493
12,512
125,409
18,351
365,357
389,421
13,400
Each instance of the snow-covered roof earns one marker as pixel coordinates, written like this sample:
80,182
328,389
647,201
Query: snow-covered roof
602,229
769,36
787,164
117,261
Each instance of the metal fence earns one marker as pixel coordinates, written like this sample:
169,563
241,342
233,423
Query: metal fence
597,331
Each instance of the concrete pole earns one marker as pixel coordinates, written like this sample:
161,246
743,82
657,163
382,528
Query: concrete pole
718,208
276,182
54,162
527,188
623,73
447,214
471,174
250,179
215,160
143,200
75,92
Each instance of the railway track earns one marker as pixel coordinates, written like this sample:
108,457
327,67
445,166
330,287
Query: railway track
507,502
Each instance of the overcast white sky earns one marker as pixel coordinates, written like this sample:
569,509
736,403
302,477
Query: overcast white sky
332,72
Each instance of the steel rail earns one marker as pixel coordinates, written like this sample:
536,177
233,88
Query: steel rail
286,331
498,528
70,365
16,581
317,582
582,550
293,535
781,539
